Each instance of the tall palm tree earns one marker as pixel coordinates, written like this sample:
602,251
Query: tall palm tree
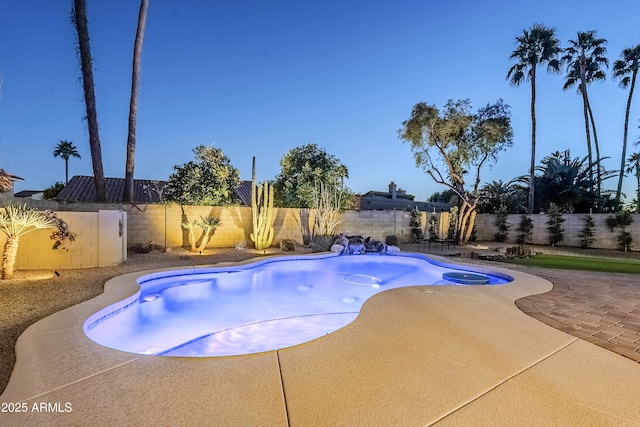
133,105
66,149
626,69
633,165
536,46
584,58
79,18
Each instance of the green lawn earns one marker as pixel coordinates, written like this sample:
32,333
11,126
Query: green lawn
610,265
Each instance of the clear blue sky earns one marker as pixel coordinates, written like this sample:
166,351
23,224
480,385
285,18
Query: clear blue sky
257,78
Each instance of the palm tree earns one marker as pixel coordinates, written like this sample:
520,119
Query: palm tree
66,149
16,221
498,194
626,69
584,58
79,18
133,105
536,46
6,183
634,166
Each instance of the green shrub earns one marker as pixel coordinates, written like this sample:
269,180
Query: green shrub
586,235
526,230
502,224
53,191
556,232
622,220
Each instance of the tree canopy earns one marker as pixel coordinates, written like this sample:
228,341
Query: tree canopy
567,183
450,145
209,180
303,169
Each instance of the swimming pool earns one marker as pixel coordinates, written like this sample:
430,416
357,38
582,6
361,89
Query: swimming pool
266,305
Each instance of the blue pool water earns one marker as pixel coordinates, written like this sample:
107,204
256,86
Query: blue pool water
270,304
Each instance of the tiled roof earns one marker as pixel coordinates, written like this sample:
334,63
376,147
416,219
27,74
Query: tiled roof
244,193
27,193
82,189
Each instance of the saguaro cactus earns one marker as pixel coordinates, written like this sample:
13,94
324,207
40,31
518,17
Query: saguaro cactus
261,211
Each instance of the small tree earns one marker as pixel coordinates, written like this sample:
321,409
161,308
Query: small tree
210,180
622,220
302,168
556,232
328,203
53,191
502,224
526,230
15,222
450,145
433,222
208,226
586,235
416,224
453,223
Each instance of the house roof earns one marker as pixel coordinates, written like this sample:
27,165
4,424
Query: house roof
385,194
82,189
244,193
27,193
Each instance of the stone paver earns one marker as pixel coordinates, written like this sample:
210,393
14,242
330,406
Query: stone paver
601,308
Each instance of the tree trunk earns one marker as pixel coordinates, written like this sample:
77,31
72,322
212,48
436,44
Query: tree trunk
206,236
638,187
585,105
626,132
472,220
466,219
532,167
80,22
9,256
133,104
597,146
66,171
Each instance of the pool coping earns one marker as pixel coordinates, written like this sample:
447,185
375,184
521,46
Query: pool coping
421,355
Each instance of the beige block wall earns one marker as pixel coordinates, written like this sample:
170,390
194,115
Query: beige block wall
162,225
97,243
377,224
573,226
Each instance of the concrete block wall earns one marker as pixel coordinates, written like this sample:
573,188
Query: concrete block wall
162,225
377,224
573,226
97,243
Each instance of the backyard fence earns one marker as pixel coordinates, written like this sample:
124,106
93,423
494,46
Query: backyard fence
105,231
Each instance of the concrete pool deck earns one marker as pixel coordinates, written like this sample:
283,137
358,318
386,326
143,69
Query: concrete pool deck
431,355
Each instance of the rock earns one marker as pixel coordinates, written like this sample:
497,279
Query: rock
338,249
287,245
